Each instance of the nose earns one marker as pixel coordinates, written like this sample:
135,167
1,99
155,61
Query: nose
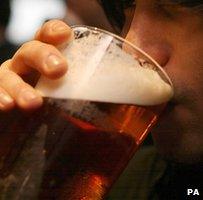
146,36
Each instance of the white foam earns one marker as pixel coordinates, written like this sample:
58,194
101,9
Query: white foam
111,77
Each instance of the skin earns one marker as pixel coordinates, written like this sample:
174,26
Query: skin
172,35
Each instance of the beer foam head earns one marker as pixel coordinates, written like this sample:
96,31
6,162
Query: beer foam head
99,70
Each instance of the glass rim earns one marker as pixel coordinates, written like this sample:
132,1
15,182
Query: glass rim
129,43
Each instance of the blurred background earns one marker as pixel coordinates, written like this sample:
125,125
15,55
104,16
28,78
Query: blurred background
27,15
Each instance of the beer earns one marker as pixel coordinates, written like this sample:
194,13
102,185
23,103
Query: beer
97,141
90,125
83,148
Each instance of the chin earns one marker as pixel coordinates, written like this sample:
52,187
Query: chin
177,139
181,156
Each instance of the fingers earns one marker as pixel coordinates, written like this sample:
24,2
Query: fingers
39,56
13,90
54,32
42,55
6,101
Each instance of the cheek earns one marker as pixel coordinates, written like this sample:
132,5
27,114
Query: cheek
186,72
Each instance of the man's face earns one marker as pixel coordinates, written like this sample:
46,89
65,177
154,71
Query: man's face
172,35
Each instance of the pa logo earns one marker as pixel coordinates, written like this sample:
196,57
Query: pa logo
193,192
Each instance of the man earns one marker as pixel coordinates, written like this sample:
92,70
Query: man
171,32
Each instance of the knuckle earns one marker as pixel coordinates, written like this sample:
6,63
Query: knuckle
35,46
28,45
4,74
8,78
5,64
28,51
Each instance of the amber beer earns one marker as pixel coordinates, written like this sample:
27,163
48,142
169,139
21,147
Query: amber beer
70,149
97,140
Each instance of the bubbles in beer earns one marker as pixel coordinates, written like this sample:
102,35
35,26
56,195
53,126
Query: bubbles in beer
84,110
100,70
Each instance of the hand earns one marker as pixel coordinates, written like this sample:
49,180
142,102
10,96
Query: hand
39,56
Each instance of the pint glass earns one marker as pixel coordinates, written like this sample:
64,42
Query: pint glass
91,124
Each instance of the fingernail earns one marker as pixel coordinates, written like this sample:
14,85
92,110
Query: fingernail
53,62
5,99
